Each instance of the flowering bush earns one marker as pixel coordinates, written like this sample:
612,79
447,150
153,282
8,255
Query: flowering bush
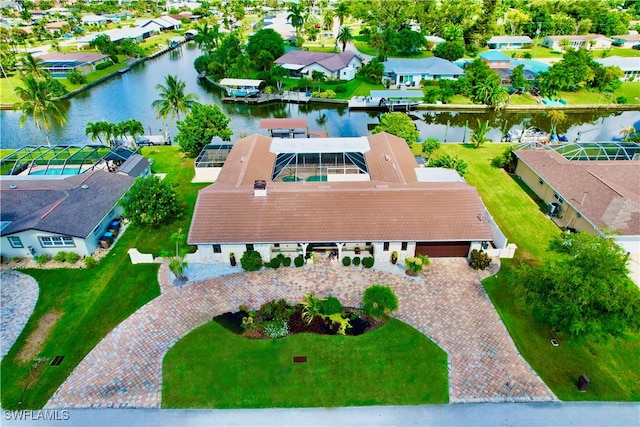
277,328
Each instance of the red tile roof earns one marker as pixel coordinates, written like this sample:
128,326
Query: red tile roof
392,206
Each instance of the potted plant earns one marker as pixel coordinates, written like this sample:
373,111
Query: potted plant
232,259
357,251
394,257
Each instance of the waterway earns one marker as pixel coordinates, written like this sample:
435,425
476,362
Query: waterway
129,96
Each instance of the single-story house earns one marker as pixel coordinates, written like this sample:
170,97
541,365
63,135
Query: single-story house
55,26
435,40
59,64
350,195
45,215
509,42
94,20
342,66
164,23
630,66
116,35
591,196
410,72
495,59
626,40
589,41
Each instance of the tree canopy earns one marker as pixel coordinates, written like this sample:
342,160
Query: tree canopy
151,201
200,126
398,124
584,291
265,40
451,51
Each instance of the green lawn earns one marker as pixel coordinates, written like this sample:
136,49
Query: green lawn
94,301
614,367
522,99
630,90
355,87
393,365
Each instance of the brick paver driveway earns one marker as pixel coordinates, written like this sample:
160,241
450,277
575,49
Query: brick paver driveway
447,303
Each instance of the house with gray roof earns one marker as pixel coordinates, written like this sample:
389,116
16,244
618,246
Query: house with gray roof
410,72
630,66
45,215
626,40
301,63
509,42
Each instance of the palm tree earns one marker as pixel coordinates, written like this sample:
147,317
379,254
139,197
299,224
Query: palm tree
385,42
37,102
264,60
479,136
296,17
207,37
630,134
95,129
134,128
341,11
31,66
327,19
556,117
344,37
243,65
172,99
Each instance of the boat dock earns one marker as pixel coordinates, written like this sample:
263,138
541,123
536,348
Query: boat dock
263,98
387,100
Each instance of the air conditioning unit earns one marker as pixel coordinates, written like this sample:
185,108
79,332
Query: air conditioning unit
553,209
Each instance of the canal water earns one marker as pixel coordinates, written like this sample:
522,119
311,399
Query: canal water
129,96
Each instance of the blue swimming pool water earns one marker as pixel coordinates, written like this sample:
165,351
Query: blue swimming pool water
57,171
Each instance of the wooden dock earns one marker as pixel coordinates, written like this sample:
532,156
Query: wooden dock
263,98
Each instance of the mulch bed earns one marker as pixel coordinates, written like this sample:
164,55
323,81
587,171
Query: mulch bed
361,323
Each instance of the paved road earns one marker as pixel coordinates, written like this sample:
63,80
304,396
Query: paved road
468,414
447,303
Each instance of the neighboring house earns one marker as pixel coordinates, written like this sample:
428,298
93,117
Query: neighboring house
589,41
94,20
60,64
495,59
591,196
626,40
116,35
630,66
163,23
44,216
435,40
342,66
509,42
55,26
410,72
363,195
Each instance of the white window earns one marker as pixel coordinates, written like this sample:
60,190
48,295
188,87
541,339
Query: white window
15,242
54,241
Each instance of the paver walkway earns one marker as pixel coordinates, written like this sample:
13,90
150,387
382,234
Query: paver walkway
447,303
18,296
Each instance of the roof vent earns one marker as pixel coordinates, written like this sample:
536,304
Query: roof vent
13,186
386,158
260,188
84,186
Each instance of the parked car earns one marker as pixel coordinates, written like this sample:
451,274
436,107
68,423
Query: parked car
636,46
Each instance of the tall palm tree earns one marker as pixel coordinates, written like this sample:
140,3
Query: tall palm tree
296,17
37,102
208,37
95,129
243,65
386,44
556,117
264,60
134,128
479,135
341,11
327,19
344,37
31,66
172,99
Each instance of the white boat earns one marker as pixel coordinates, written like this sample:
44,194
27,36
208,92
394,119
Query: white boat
387,100
241,87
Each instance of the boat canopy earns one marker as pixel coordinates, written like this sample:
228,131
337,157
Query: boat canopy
240,82
395,94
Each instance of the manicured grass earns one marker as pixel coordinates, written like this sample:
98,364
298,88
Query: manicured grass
95,301
522,99
355,87
630,90
92,302
614,367
540,52
393,365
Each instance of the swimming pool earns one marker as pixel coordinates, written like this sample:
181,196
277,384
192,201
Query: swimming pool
57,171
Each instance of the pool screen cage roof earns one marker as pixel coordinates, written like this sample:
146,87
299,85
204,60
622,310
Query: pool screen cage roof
316,166
213,155
609,150
80,158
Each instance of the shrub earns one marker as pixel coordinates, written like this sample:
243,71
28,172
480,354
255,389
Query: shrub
59,257
343,323
76,78
346,261
379,300
251,261
356,260
394,257
286,261
90,262
480,260
103,65
621,100
72,257
275,262
341,89
331,305
277,328
311,307
273,309
42,259
367,262
416,264
298,261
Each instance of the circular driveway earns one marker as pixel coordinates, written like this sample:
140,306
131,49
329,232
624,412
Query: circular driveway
447,303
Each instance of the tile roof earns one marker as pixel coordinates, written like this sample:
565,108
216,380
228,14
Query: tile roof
61,206
606,193
330,61
392,206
